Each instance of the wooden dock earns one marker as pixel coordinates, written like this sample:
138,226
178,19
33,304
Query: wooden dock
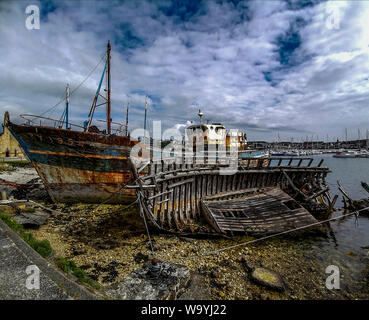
255,212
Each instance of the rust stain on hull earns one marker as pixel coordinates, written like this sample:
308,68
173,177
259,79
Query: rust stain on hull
74,185
77,166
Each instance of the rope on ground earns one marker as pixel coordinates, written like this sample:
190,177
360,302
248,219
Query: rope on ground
269,236
146,226
114,193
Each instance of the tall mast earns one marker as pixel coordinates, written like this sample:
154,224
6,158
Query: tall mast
145,114
127,119
67,106
359,137
108,106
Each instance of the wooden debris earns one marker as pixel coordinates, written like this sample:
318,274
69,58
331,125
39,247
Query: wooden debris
354,205
267,212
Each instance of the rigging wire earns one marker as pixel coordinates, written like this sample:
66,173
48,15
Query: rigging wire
269,236
76,88
142,214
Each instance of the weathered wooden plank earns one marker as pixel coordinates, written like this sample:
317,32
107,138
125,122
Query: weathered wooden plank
224,184
175,207
181,202
199,191
209,184
171,213
257,171
193,198
263,214
159,194
188,201
179,183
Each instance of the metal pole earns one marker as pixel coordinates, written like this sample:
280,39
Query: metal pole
67,107
359,137
127,119
145,119
108,93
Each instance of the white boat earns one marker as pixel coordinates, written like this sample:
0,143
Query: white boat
347,154
363,154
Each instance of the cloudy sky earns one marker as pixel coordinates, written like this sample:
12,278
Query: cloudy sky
294,68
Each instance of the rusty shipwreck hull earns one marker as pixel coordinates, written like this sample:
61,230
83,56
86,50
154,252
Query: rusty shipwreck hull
77,166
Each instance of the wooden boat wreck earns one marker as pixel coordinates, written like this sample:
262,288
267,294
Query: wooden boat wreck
264,196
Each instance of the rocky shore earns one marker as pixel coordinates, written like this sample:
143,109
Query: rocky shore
109,243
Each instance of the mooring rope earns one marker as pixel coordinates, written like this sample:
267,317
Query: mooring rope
146,226
356,213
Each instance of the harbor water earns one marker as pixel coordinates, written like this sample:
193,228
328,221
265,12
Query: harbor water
346,245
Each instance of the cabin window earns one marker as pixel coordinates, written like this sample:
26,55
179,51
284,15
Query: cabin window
7,153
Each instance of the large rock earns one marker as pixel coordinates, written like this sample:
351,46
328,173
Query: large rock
198,289
141,285
31,219
267,278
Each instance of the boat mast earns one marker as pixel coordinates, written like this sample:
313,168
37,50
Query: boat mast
108,106
66,106
145,115
127,119
88,122
359,137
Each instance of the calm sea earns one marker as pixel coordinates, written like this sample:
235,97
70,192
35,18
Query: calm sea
343,246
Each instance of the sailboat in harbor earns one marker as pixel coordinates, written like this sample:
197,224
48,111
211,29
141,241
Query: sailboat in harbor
79,163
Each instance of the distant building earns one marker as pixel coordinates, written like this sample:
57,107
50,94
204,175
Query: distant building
9,146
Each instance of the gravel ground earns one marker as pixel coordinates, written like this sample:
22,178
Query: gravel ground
109,242
20,175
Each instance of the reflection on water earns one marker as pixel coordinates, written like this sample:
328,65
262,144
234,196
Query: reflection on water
343,246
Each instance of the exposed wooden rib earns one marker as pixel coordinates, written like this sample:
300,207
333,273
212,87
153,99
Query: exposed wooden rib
173,193
259,214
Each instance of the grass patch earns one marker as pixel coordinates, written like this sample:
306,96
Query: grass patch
69,266
30,210
17,163
6,167
11,222
43,247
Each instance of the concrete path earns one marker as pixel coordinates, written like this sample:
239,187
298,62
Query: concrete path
15,257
